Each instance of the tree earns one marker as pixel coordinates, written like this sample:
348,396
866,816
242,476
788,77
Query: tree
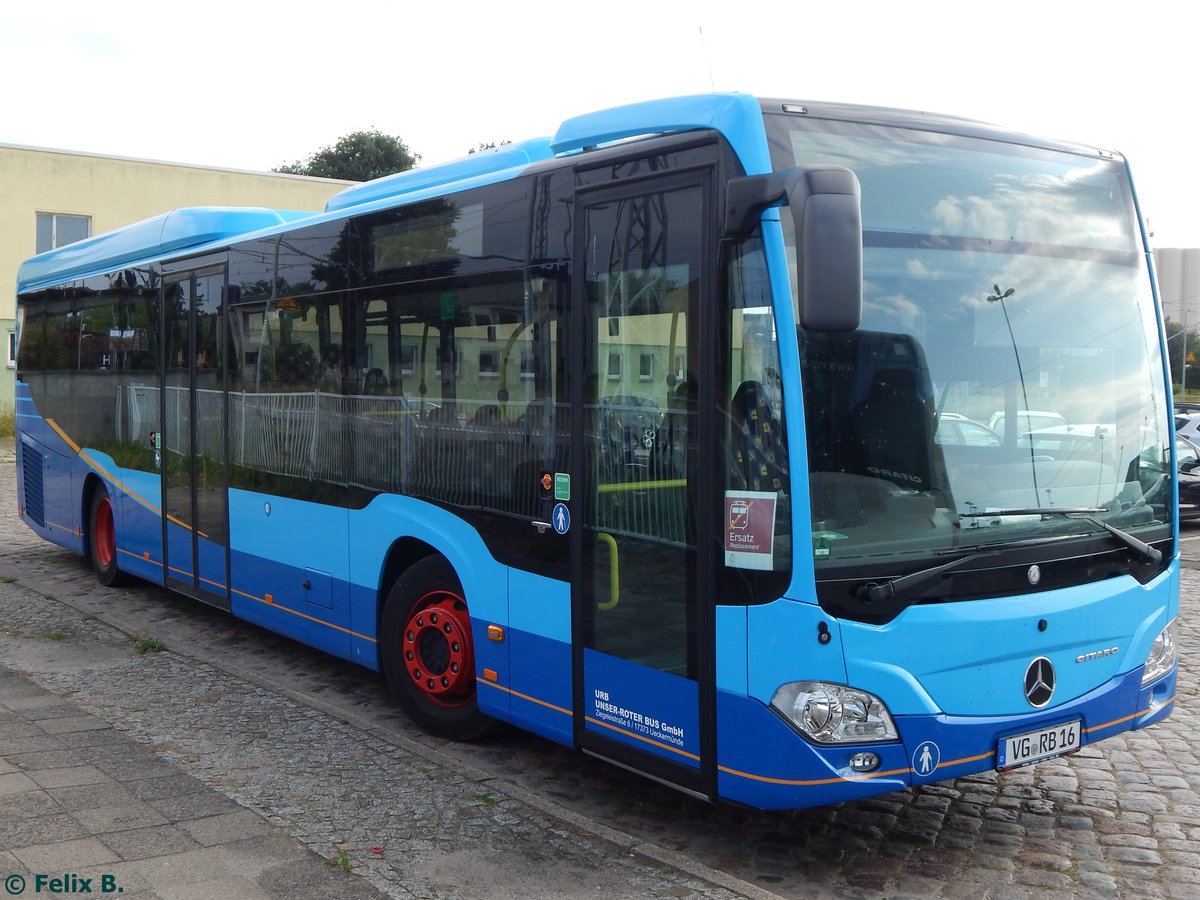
358,156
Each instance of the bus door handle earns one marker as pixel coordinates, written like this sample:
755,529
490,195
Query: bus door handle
614,569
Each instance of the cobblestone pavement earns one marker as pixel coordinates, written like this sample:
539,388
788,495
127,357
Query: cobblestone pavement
314,744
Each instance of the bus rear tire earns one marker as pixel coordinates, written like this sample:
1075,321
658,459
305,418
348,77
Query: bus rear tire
427,653
102,539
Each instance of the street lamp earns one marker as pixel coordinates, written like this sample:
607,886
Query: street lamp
999,297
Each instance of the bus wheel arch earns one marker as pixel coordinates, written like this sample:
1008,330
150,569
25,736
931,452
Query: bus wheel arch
100,536
426,650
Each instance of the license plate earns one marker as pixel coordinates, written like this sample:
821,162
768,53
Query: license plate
1034,746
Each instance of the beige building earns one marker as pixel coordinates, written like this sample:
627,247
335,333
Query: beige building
54,197
1179,283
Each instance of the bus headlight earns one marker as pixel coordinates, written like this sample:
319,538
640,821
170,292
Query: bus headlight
1162,655
833,713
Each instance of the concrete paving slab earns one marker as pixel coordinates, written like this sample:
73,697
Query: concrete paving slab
166,787
68,776
62,855
257,854
32,743
36,712
19,828
71,723
16,783
189,867
16,729
50,759
223,829
87,796
141,843
119,817
90,740
227,888
194,806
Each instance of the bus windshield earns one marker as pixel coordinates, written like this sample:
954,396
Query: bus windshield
1005,384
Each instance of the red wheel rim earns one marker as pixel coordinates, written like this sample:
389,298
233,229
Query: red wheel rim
437,649
106,534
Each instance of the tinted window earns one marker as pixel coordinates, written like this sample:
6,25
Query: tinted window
89,354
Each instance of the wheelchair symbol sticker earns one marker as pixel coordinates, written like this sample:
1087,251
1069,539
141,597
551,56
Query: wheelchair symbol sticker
926,759
561,520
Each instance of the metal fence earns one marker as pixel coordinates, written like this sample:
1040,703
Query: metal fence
479,454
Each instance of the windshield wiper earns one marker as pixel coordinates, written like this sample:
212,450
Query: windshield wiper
1036,511
877,592
1087,514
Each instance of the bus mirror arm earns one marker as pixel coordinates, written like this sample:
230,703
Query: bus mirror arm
826,209
747,197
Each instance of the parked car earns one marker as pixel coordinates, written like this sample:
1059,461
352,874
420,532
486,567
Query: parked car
630,423
1188,426
1187,458
1028,419
956,430
1084,441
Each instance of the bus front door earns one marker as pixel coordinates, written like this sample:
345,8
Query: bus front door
642,583
193,451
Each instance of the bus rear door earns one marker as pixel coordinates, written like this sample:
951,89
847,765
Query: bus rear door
193,436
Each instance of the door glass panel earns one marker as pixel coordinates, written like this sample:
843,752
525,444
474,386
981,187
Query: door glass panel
642,287
177,432
208,358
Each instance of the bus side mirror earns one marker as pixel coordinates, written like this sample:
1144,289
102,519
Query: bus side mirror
827,212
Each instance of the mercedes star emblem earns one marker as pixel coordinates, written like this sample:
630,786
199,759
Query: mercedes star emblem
1039,682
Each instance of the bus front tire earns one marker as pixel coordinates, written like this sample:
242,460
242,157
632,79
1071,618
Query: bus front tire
427,653
102,539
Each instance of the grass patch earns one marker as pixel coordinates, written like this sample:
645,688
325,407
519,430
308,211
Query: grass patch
341,861
54,635
8,421
149,645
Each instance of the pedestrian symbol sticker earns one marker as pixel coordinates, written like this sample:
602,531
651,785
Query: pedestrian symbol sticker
926,759
561,520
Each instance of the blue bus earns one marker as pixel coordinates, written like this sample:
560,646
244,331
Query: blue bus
664,438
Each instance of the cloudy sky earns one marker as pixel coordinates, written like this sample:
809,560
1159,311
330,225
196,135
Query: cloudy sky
252,85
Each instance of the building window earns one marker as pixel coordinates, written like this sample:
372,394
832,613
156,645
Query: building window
12,349
646,367
614,366
408,359
489,363
57,230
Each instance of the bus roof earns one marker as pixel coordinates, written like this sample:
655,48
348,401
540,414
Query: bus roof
148,239
502,158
